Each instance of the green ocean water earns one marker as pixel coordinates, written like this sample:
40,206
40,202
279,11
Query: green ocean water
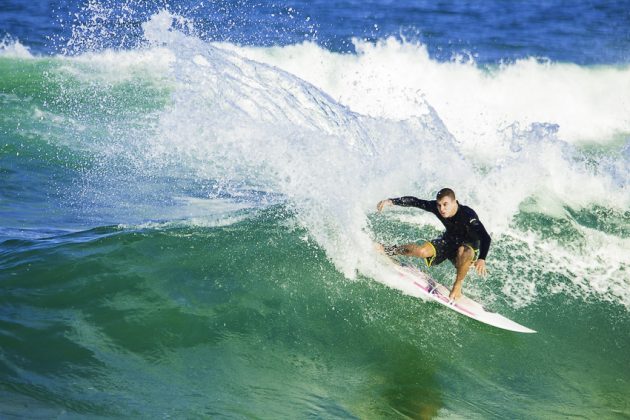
165,251
253,321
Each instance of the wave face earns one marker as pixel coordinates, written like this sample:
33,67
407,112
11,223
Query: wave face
194,218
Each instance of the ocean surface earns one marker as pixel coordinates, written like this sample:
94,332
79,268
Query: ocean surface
188,194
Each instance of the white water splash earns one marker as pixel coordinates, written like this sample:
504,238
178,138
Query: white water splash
390,121
12,48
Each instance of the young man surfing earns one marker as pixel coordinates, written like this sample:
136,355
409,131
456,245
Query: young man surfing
464,242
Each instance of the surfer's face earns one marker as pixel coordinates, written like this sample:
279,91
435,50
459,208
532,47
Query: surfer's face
447,207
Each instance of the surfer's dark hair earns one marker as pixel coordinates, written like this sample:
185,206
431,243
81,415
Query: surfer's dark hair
445,192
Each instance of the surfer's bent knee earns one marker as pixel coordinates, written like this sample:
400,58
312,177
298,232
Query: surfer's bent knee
427,250
465,253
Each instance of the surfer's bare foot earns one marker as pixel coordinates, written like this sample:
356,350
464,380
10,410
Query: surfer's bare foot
455,294
379,248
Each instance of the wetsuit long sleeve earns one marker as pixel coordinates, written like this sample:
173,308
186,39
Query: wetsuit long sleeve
409,201
479,232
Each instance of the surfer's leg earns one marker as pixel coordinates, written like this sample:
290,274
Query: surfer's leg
425,250
464,258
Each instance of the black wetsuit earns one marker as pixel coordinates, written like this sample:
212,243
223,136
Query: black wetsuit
463,228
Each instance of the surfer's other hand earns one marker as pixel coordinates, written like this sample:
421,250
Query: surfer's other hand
383,203
480,265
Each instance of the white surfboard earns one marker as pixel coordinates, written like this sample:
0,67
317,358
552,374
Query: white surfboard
428,287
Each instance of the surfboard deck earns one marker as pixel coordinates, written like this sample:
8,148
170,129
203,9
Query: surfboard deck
430,288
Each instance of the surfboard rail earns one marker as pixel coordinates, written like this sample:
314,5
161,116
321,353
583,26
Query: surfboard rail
430,288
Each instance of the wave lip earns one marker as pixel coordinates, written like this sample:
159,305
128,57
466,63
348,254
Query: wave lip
392,79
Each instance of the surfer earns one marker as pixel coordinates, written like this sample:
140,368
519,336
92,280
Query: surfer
465,241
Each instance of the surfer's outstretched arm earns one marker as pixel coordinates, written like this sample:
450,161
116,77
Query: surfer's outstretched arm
408,201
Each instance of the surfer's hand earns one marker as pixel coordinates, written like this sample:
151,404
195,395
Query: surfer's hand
480,265
383,203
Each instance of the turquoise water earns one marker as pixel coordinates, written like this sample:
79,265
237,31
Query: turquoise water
186,230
